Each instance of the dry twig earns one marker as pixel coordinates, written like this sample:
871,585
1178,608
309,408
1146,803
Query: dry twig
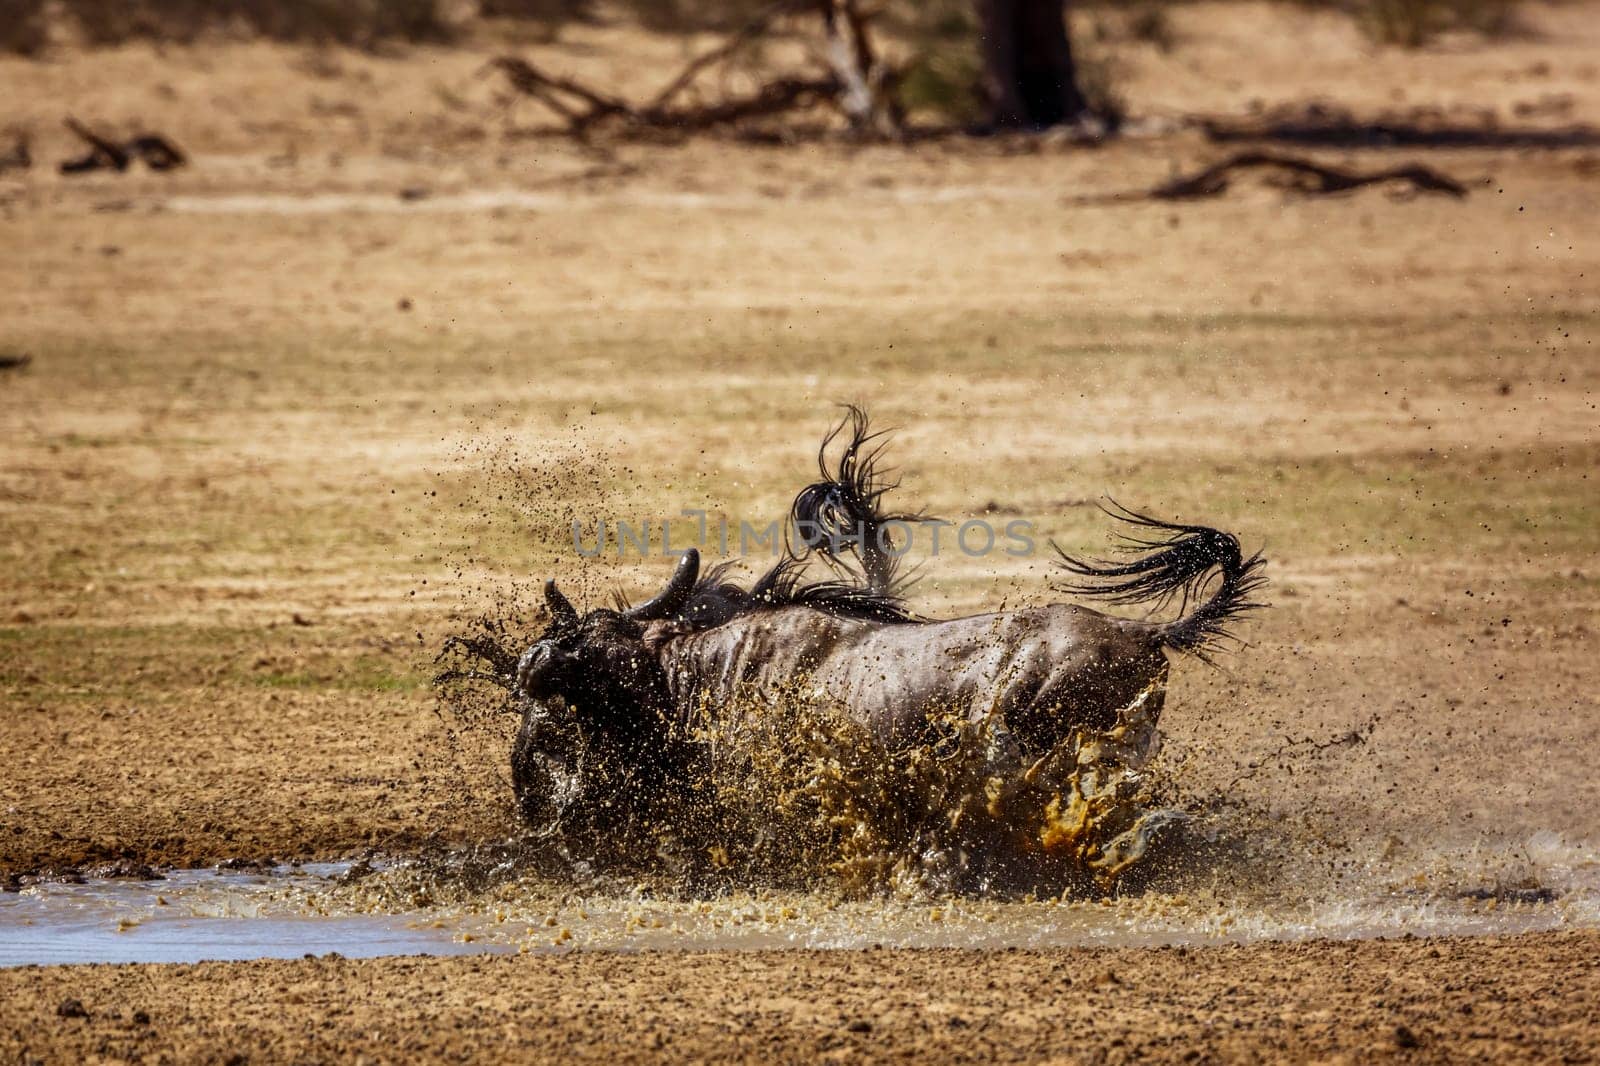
1312,178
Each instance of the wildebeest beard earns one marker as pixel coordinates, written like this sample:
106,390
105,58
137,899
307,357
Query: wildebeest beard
674,712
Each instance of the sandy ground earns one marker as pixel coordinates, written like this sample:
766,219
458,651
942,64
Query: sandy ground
1513,999
258,468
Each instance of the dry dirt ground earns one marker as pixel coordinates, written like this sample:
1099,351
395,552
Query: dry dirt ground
284,428
1470,1000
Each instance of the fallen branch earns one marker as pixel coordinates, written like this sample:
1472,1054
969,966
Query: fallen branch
785,94
552,89
103,154
567,98
1315,179
157,152
854,81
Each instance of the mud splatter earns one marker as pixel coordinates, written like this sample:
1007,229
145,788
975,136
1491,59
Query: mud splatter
794,794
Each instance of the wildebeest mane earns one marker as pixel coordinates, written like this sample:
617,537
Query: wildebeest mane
717,599
781,586
845,509
841,513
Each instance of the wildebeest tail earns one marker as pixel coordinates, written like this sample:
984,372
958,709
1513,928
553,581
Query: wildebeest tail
1176,561
844,511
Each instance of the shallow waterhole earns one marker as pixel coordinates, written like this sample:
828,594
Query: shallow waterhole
316,909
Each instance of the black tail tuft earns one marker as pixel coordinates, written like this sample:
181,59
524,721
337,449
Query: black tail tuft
1175,563
843,511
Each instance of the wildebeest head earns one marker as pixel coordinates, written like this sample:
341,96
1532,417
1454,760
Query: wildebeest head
599,663
594,734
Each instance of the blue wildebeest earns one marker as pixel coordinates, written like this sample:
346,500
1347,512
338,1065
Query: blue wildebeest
638,682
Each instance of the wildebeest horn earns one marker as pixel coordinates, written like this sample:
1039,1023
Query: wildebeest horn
561,608
675,595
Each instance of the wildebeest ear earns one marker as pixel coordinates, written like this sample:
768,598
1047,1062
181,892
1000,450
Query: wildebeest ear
672,598
658,633
561,608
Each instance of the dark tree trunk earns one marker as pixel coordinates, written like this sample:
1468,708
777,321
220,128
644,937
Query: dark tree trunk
1029,74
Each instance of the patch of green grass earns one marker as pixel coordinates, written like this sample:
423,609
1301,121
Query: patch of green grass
1517,505
127,662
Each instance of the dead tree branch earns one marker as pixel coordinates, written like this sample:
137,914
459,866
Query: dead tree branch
157,152
756,27
554,91
103,154
563,95
775,97
855,81
1316,179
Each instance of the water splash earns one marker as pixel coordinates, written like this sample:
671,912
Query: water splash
967,811
790,792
